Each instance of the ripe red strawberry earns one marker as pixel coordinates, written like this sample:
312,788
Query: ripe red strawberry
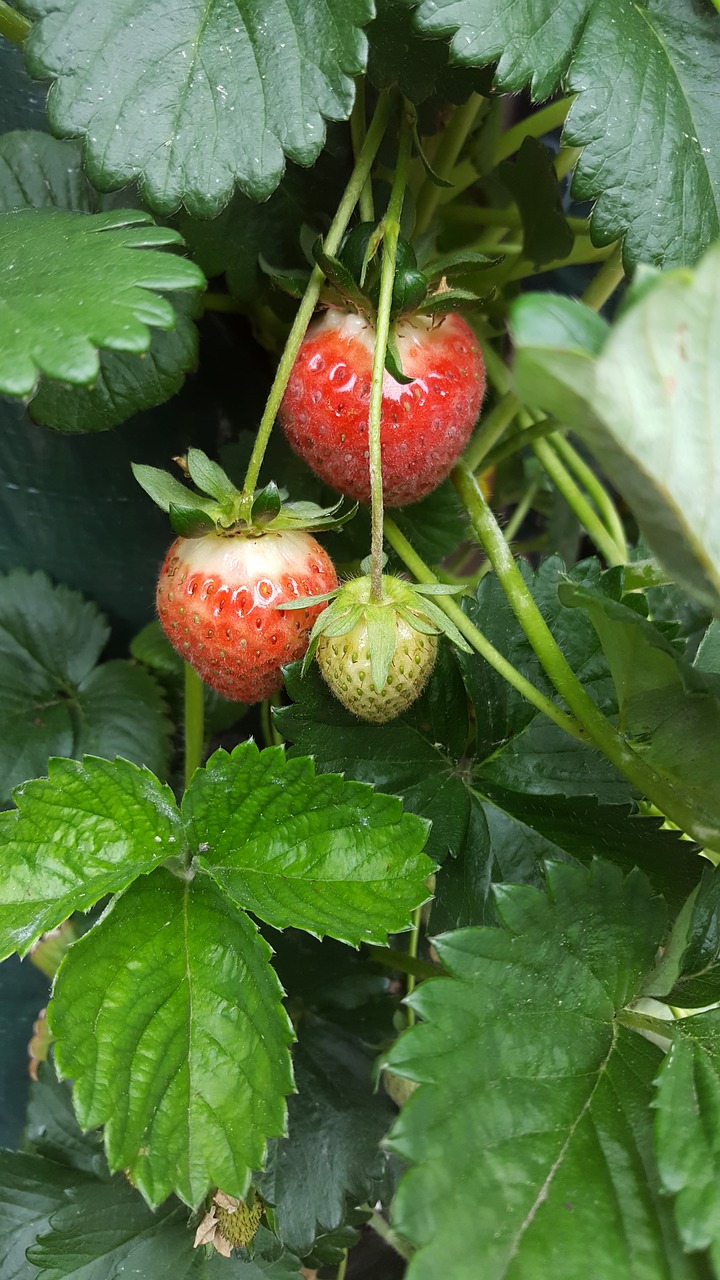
425,424
218,599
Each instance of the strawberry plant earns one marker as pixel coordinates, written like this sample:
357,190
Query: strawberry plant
359,647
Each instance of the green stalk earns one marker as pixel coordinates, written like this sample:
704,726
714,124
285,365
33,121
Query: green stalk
343,1266
391,229
533,127
508,218
512,526
518,440
412,953
449,148
553,466
596,490
404,963
383,1229
566,159
358,133
490,430
598,728
475,637
12,24
605,281
333,240
194,721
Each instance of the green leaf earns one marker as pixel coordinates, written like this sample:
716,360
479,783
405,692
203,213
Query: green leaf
530,1134
398,55
669,709
203,96
688,1103
654,383
102,293
601,51
166,491
129,824
313,852
414,757
105,1231
517,748
533,184
52,1130
175,977
332,1153
37,171
31,1189
698,979
54,700
245,235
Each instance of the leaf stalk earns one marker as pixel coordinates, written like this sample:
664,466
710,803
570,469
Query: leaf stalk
12,24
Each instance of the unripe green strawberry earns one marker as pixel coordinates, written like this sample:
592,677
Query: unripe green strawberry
345,663
377,654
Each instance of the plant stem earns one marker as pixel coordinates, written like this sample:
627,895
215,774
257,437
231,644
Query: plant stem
404,963
12,24
449,148
512,526
194,721
553,466
383,1228
490,430
565,160
391,226
476,638
518,440
507,218
412,953
671,802
358,133
343,1266
221,302
596,491
605,281
334,236
533,126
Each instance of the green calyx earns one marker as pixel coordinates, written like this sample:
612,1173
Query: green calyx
352,603
217,506
426,288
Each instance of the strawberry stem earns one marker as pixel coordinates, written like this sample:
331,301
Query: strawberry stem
553,466
194,721
449,148
12,24
534,126
391,232
351,195
358,133
588,716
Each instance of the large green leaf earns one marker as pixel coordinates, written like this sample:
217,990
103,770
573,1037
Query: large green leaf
696,983
668,709
646,406
332,1153
398,55
39,172
167,1015
532,182
645,78
415,757
314,852
86,831
54,699
530,1135
31,1189
688,1131
196,98
85,270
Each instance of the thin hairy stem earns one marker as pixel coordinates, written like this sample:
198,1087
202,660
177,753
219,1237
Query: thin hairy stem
448,150
358,133
391,226
555,468
605,281
333,239
595,489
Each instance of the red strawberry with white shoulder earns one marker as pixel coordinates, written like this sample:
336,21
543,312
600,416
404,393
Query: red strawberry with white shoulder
225,579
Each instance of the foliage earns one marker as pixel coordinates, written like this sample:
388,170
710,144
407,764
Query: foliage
457,975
